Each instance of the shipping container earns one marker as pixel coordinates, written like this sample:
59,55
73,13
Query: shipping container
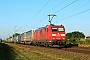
22,38
27,37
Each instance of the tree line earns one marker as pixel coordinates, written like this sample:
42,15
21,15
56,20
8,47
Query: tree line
0,40
75,36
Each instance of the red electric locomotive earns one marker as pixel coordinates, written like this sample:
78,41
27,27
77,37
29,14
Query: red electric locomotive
50,35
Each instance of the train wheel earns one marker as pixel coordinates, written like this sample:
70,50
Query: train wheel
51,45
47,45
38,43
44,44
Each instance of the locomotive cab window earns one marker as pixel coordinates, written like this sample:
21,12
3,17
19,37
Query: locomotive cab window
60,29
54,29
57,29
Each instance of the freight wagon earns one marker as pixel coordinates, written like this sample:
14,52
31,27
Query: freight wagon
10,40
17,39
27,37
22,38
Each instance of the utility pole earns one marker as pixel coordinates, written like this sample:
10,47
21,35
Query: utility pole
15,29
50,19
14,34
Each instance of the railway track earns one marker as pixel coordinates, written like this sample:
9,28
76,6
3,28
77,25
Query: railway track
84,50
71,49
78,50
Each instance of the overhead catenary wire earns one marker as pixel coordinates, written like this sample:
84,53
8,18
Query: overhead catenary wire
40,9
75,14
66,6
54,8
63,7
36,23
77,8
70,12
39,21
48,12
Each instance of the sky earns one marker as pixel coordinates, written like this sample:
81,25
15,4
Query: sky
23,15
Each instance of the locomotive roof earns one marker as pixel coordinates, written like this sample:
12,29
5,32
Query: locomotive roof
46,26
40,28
54,25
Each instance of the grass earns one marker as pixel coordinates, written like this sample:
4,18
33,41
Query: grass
5,52
80,42
21,52
34,54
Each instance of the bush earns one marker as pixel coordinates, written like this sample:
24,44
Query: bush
87,42
72,41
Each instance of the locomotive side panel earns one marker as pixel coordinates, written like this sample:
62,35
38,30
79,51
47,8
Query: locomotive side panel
49,33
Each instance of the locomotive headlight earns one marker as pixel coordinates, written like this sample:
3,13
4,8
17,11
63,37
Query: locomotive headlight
50,41
62,34
63,38
53,34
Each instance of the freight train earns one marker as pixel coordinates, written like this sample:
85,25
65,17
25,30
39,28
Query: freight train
46,36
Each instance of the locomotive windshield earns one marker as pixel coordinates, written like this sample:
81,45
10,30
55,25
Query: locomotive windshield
57,29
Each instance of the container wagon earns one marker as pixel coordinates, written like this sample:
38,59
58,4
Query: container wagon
17,39
10,40
22,38
27,37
